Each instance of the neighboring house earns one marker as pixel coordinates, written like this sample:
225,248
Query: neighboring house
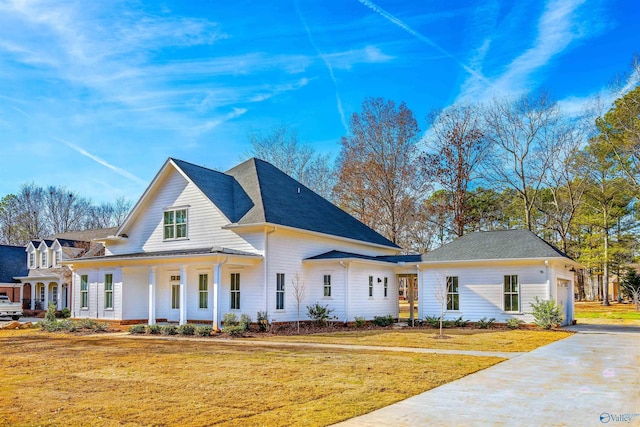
201,243
45,280
13,262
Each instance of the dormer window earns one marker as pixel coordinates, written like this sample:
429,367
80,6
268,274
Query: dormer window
56,258
175,224
43,259
32,260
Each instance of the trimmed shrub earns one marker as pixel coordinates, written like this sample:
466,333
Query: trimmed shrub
138,329
546,314
514,323
230,319
359,322
319,313
155,329
169,330
432,321
383,320
245,321
486,324
204,331
186,329
66,313
460,322
235,330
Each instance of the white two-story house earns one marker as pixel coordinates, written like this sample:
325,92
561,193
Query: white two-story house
200,243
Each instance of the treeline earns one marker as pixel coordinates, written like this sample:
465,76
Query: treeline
36,212
509,163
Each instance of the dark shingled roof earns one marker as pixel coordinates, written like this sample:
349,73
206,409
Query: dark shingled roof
383,258
13,263
503,244
256,192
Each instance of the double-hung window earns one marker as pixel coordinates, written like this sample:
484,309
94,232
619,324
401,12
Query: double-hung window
108,291
56,256
280,291
327,285
175,224
32,260
203,289
235,291
386,287
370,286
43,259
511,293
453,295
84,291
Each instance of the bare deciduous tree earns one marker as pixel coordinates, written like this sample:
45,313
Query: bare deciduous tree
455,148
380,176
525,134
298,294
281,147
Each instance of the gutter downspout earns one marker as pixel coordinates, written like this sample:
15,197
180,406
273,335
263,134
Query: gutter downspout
420,292
546,275
266,269
346,291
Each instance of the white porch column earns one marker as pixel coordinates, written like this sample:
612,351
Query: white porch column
33,295
183,295
421,292
45,303
217,278
59,297
152,295
21,293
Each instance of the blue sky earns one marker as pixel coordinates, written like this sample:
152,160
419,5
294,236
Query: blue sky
95,95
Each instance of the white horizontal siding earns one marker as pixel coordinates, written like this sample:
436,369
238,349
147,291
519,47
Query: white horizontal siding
205,222
360,303
481,290
135,294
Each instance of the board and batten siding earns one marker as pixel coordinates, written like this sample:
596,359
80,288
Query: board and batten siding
481,290
286,251
204,222
96,294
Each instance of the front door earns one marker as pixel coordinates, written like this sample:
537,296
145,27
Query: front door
563,292
174,308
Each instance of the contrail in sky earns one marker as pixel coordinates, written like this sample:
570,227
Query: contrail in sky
104,163
423,38
327,64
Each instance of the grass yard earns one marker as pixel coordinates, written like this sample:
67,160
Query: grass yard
622,313
461,339
102,380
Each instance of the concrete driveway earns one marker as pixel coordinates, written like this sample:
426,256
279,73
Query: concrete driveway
589,379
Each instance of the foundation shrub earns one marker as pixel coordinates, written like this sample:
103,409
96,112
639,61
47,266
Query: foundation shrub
138,329
204,331
169,330
186,329
383,320
359,322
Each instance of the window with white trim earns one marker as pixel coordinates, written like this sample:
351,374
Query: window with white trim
511,293
32,259
175,224
84,291
175,296
43,259
327,285
279,291
370,286
453,295
203,290
108,290
386,287
56,258
235,291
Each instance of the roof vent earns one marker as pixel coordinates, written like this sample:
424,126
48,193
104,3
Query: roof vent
298,190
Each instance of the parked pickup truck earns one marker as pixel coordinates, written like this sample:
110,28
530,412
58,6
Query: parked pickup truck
10,309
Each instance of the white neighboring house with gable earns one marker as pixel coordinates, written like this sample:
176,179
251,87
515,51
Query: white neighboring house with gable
201,243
